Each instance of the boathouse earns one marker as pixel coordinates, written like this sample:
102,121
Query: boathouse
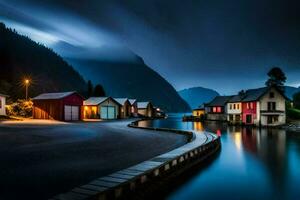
145,109
63,106
125,108
134,108
101,108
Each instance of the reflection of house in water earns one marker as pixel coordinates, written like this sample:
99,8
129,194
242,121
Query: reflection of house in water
269,145
198,126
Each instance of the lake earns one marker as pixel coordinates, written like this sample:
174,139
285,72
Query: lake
253,163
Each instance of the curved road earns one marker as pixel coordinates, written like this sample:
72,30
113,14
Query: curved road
40,161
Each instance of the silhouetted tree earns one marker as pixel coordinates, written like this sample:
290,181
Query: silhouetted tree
296,100
90,89
242,93
276,78
99,91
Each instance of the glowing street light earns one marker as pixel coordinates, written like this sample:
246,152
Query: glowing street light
27,82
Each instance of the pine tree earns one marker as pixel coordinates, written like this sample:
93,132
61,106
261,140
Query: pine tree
99,91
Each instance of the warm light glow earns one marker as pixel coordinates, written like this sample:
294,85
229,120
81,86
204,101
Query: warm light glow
238,140
158,109
86,108
27,81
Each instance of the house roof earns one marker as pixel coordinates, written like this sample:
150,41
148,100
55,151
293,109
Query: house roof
52,96
198,109
121,101
256,94
143,104
132,101
92,101
236,98
219,101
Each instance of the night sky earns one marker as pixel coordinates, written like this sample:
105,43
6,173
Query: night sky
223,45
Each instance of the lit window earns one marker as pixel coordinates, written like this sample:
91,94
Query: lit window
251,105
214,109
218,109
238,106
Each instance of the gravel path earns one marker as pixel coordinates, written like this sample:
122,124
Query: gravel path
37,162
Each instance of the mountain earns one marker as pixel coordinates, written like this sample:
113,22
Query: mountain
290,91
196,96
21,57
132,79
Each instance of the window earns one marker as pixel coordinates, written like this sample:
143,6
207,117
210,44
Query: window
248,106
234,106
230,106
251,105
271,95
0,103
214,109
230,117
238,106
271,106
219,109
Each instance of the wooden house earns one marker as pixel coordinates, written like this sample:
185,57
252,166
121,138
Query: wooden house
2,104
125,109
134,108
101,108
198,112
145,109
217,108
63,106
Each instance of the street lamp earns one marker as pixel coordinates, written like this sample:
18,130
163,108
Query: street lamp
27,82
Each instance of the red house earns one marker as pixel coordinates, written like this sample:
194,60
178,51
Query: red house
64,106
249,112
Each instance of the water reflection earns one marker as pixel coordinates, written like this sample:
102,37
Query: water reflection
254,163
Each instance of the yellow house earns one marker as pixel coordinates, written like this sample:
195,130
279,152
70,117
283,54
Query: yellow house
198,112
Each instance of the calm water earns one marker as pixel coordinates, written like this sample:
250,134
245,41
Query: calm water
253,163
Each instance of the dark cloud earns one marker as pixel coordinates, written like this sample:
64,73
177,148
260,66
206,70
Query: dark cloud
226,45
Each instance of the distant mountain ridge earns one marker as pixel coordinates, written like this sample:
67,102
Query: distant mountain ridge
21,57
132,79
290,91
196,96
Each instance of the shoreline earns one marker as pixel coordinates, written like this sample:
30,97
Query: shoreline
128,182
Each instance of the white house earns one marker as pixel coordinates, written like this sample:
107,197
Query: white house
234,109
2,104
272,108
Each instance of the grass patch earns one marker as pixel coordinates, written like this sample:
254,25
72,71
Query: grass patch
293,113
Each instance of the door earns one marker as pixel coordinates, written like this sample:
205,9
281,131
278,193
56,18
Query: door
248,119
103,114
68,113
111,112
108,112
75,113
71,113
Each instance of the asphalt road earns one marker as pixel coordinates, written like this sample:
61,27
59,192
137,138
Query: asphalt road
38,162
